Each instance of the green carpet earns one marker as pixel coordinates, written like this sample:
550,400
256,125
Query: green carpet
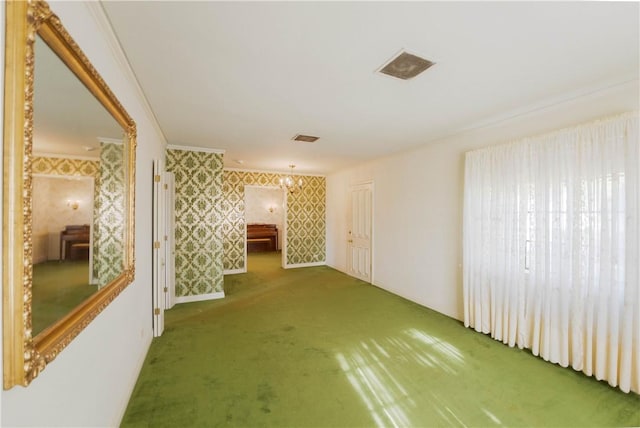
314,347
58,287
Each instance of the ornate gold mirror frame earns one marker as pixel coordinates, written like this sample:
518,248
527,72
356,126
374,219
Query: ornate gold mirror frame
23,355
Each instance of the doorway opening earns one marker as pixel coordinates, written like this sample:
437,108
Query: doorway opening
264,214
62,224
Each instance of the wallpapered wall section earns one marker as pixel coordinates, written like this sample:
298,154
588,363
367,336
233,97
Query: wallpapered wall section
305,219
108,204
198,234
109,214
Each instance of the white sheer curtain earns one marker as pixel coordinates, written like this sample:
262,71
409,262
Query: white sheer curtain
551,244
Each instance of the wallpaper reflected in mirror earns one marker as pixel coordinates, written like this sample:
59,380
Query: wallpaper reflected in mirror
61,121
78,192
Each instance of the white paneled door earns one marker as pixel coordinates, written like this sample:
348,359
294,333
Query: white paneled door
359,239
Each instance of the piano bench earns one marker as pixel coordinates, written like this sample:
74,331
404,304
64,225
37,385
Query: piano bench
79,251
258,244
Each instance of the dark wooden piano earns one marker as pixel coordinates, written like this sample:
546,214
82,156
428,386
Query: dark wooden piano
74,242
262,237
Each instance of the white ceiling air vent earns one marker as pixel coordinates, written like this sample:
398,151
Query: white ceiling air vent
405,66
305,138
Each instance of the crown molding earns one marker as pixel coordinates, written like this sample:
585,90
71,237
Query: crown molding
264,171
97,12
627,81
195,149
109,140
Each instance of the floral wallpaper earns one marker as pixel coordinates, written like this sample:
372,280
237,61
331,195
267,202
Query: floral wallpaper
305,217
198,232
108,204
306,212
63,166
109,214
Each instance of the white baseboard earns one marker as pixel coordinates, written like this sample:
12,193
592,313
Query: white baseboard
299,265
234,271
200,297
339,269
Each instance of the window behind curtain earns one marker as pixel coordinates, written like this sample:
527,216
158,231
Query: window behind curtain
551,247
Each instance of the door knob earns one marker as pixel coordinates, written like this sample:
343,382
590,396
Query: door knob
350,240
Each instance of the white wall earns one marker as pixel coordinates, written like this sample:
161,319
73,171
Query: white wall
89,384
418,194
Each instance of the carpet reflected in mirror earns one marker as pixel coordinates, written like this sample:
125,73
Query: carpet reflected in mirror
58,287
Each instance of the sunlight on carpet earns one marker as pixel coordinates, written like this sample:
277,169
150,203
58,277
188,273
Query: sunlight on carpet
315,347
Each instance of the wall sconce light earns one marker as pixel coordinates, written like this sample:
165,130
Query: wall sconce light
73,204
271,209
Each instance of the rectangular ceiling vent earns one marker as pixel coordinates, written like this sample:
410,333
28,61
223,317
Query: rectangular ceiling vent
305,138
405,66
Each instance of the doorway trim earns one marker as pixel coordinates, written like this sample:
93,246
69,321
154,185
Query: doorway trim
92,179
283,241
159,274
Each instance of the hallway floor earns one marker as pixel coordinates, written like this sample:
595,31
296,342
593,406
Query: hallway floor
314,347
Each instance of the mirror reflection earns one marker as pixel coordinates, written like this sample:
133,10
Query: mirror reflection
79,192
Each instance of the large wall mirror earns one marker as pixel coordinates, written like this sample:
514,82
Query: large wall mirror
68,203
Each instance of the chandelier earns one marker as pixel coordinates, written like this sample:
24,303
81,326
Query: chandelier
287,182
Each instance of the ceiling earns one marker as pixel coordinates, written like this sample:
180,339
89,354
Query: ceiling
246,77
68,119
